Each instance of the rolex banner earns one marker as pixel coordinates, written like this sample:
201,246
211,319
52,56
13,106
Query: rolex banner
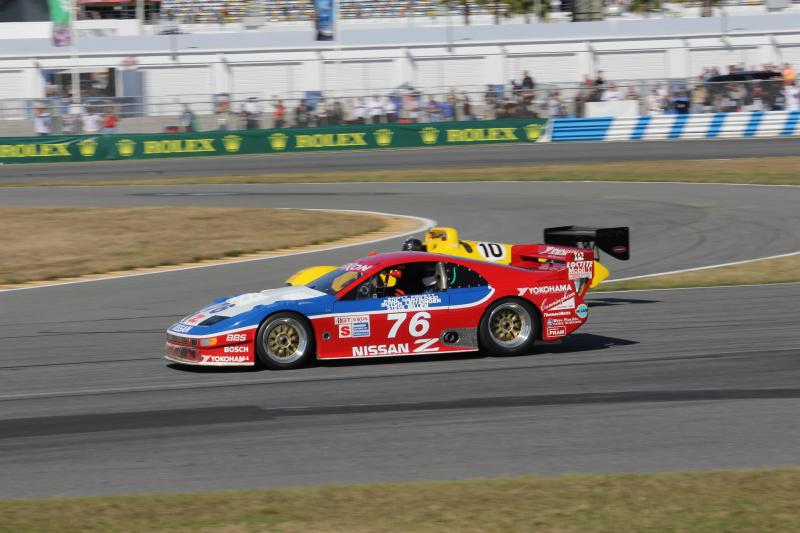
61,17
359,137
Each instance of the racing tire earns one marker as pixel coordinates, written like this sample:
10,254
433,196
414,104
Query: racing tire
284,341
508,327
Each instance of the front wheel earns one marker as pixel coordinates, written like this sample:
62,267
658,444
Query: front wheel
508,327
284,341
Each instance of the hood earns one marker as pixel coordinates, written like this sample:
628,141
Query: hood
246,302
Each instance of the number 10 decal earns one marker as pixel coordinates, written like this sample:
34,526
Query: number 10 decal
492,251
417,326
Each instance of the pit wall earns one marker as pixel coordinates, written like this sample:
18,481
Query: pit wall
661,127
104,147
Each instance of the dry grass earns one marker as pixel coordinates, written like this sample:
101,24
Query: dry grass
763,170
755,500
781,270
43,243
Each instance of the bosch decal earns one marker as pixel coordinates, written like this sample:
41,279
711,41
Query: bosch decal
237,349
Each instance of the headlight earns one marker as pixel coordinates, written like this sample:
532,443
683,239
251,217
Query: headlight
208,342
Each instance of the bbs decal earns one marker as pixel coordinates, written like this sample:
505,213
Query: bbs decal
492,251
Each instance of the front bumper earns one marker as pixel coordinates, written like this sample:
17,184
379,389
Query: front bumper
187,350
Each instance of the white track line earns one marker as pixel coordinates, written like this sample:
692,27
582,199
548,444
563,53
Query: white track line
706,267
424,224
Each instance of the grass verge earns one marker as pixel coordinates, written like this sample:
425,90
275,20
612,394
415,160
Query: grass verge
779,270
748,500
45,243
762,170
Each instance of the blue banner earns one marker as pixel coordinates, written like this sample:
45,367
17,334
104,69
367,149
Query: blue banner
325,19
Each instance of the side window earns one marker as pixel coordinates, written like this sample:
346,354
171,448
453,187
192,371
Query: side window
401,280
461,277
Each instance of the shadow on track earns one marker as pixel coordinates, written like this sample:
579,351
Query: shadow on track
577,342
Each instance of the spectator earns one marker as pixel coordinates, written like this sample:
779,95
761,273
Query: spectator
655,104
301,115
555,107
680,104
322,113
599,80
791,95
69,123
91,121
42,121
360,112
279,114
376,111
466,108
789,74
391,109
187,119
222,111
631,94
611,94
527,81
110,121
698,98
348,112
433,110
447,108
252,113
337,111
757,102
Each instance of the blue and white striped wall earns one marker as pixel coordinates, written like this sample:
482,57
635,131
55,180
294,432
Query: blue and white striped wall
660,127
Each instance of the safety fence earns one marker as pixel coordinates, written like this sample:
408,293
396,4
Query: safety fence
62,148
688,126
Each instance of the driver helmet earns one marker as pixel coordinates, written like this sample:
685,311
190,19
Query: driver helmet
413,245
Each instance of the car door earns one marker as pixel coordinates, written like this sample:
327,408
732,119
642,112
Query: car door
401,310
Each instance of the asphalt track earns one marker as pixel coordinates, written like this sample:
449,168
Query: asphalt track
449,157
659,380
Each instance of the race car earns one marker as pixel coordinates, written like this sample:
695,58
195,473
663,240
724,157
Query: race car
395,304
614,241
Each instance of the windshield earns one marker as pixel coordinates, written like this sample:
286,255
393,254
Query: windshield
338,279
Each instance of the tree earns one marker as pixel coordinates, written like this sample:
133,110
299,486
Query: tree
525,7
644,6
708,7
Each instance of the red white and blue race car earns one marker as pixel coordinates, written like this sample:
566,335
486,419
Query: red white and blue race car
395,304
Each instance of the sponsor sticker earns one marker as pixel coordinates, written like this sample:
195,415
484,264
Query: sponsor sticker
225,359
558,313
181,328
567,301
566,321
403,348
353,326
582,311
236,337
580,269
410,303
545,289
244,348
556,332
356,267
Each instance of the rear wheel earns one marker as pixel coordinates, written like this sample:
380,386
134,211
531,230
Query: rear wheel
508,327
284,341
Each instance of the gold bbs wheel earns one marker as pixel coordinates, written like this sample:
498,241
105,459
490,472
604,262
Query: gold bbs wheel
284,341
510,325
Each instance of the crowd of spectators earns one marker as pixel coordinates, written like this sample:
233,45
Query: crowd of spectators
768,88
228,11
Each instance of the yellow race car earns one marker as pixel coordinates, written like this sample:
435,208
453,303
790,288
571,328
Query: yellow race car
443,240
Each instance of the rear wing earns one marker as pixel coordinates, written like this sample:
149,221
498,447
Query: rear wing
613,241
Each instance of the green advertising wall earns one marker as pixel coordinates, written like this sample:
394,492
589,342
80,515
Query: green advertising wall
59,148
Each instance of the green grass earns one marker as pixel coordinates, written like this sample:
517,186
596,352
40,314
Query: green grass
780,270
747,500
764,170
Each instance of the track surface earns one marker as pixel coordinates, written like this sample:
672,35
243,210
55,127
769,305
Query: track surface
450,157
658,380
